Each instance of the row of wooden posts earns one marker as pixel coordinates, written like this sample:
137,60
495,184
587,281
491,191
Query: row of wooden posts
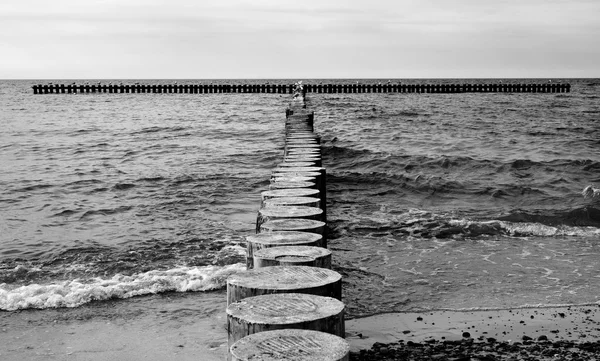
309,88
287,304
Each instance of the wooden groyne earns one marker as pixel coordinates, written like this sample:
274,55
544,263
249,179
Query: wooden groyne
174,88
288,304
329,88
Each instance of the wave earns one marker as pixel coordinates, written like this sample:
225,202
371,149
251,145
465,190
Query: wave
522,229
35,187
151,179
584,216
65,213
105,211
155,129
348,158
123,186
423,224
77,292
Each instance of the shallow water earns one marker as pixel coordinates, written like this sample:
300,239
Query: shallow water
435,200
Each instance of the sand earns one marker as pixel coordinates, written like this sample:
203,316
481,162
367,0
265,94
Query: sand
579,324
192,327
162,327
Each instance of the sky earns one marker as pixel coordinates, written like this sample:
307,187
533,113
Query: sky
301,39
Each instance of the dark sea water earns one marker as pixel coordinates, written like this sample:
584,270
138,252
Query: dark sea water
435,201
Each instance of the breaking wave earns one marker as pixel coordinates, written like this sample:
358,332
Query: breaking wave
74,293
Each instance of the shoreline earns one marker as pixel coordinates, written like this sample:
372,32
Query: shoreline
572,323
185,326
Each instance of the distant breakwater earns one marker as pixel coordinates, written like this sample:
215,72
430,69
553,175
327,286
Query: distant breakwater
329,88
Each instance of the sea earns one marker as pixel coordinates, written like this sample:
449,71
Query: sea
435,201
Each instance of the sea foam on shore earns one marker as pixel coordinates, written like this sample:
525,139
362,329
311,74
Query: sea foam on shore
73,293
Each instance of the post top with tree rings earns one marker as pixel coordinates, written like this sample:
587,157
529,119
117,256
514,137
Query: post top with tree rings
291,224
296,145
295,174
304,150
302,137
284,238
302,133
284,278
298,169
292,201
307,131
292,185
290,212
296,152
292,178
284,308
285,185
309,137
293,253
315,162
292,345
290,192
310,157
296,164
313,158
301,141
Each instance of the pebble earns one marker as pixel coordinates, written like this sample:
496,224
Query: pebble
481,351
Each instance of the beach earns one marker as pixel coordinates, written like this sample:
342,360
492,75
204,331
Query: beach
129,211
177,327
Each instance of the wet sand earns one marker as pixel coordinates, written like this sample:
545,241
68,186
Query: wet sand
161,327
192,327
581,323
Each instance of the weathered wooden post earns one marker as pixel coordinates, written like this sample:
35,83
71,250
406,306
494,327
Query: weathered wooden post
284,311
280,239
284,279
294,224
293,256
287,212
291,344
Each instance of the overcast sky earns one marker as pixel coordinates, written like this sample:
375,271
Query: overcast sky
198,39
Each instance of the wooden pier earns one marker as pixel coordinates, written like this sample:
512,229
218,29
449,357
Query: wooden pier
320,88
288,303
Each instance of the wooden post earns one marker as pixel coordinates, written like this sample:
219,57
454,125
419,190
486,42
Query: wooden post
293,256
279,239
284,311
292,184
276,174
292,178
284,279
295,224
297,345
299,192
293,201
300,142
321,183
296,164
314,159
286,212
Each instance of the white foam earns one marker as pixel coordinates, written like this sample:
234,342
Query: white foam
77,292
531,229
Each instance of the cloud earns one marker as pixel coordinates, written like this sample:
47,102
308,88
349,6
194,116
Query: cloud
340,38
